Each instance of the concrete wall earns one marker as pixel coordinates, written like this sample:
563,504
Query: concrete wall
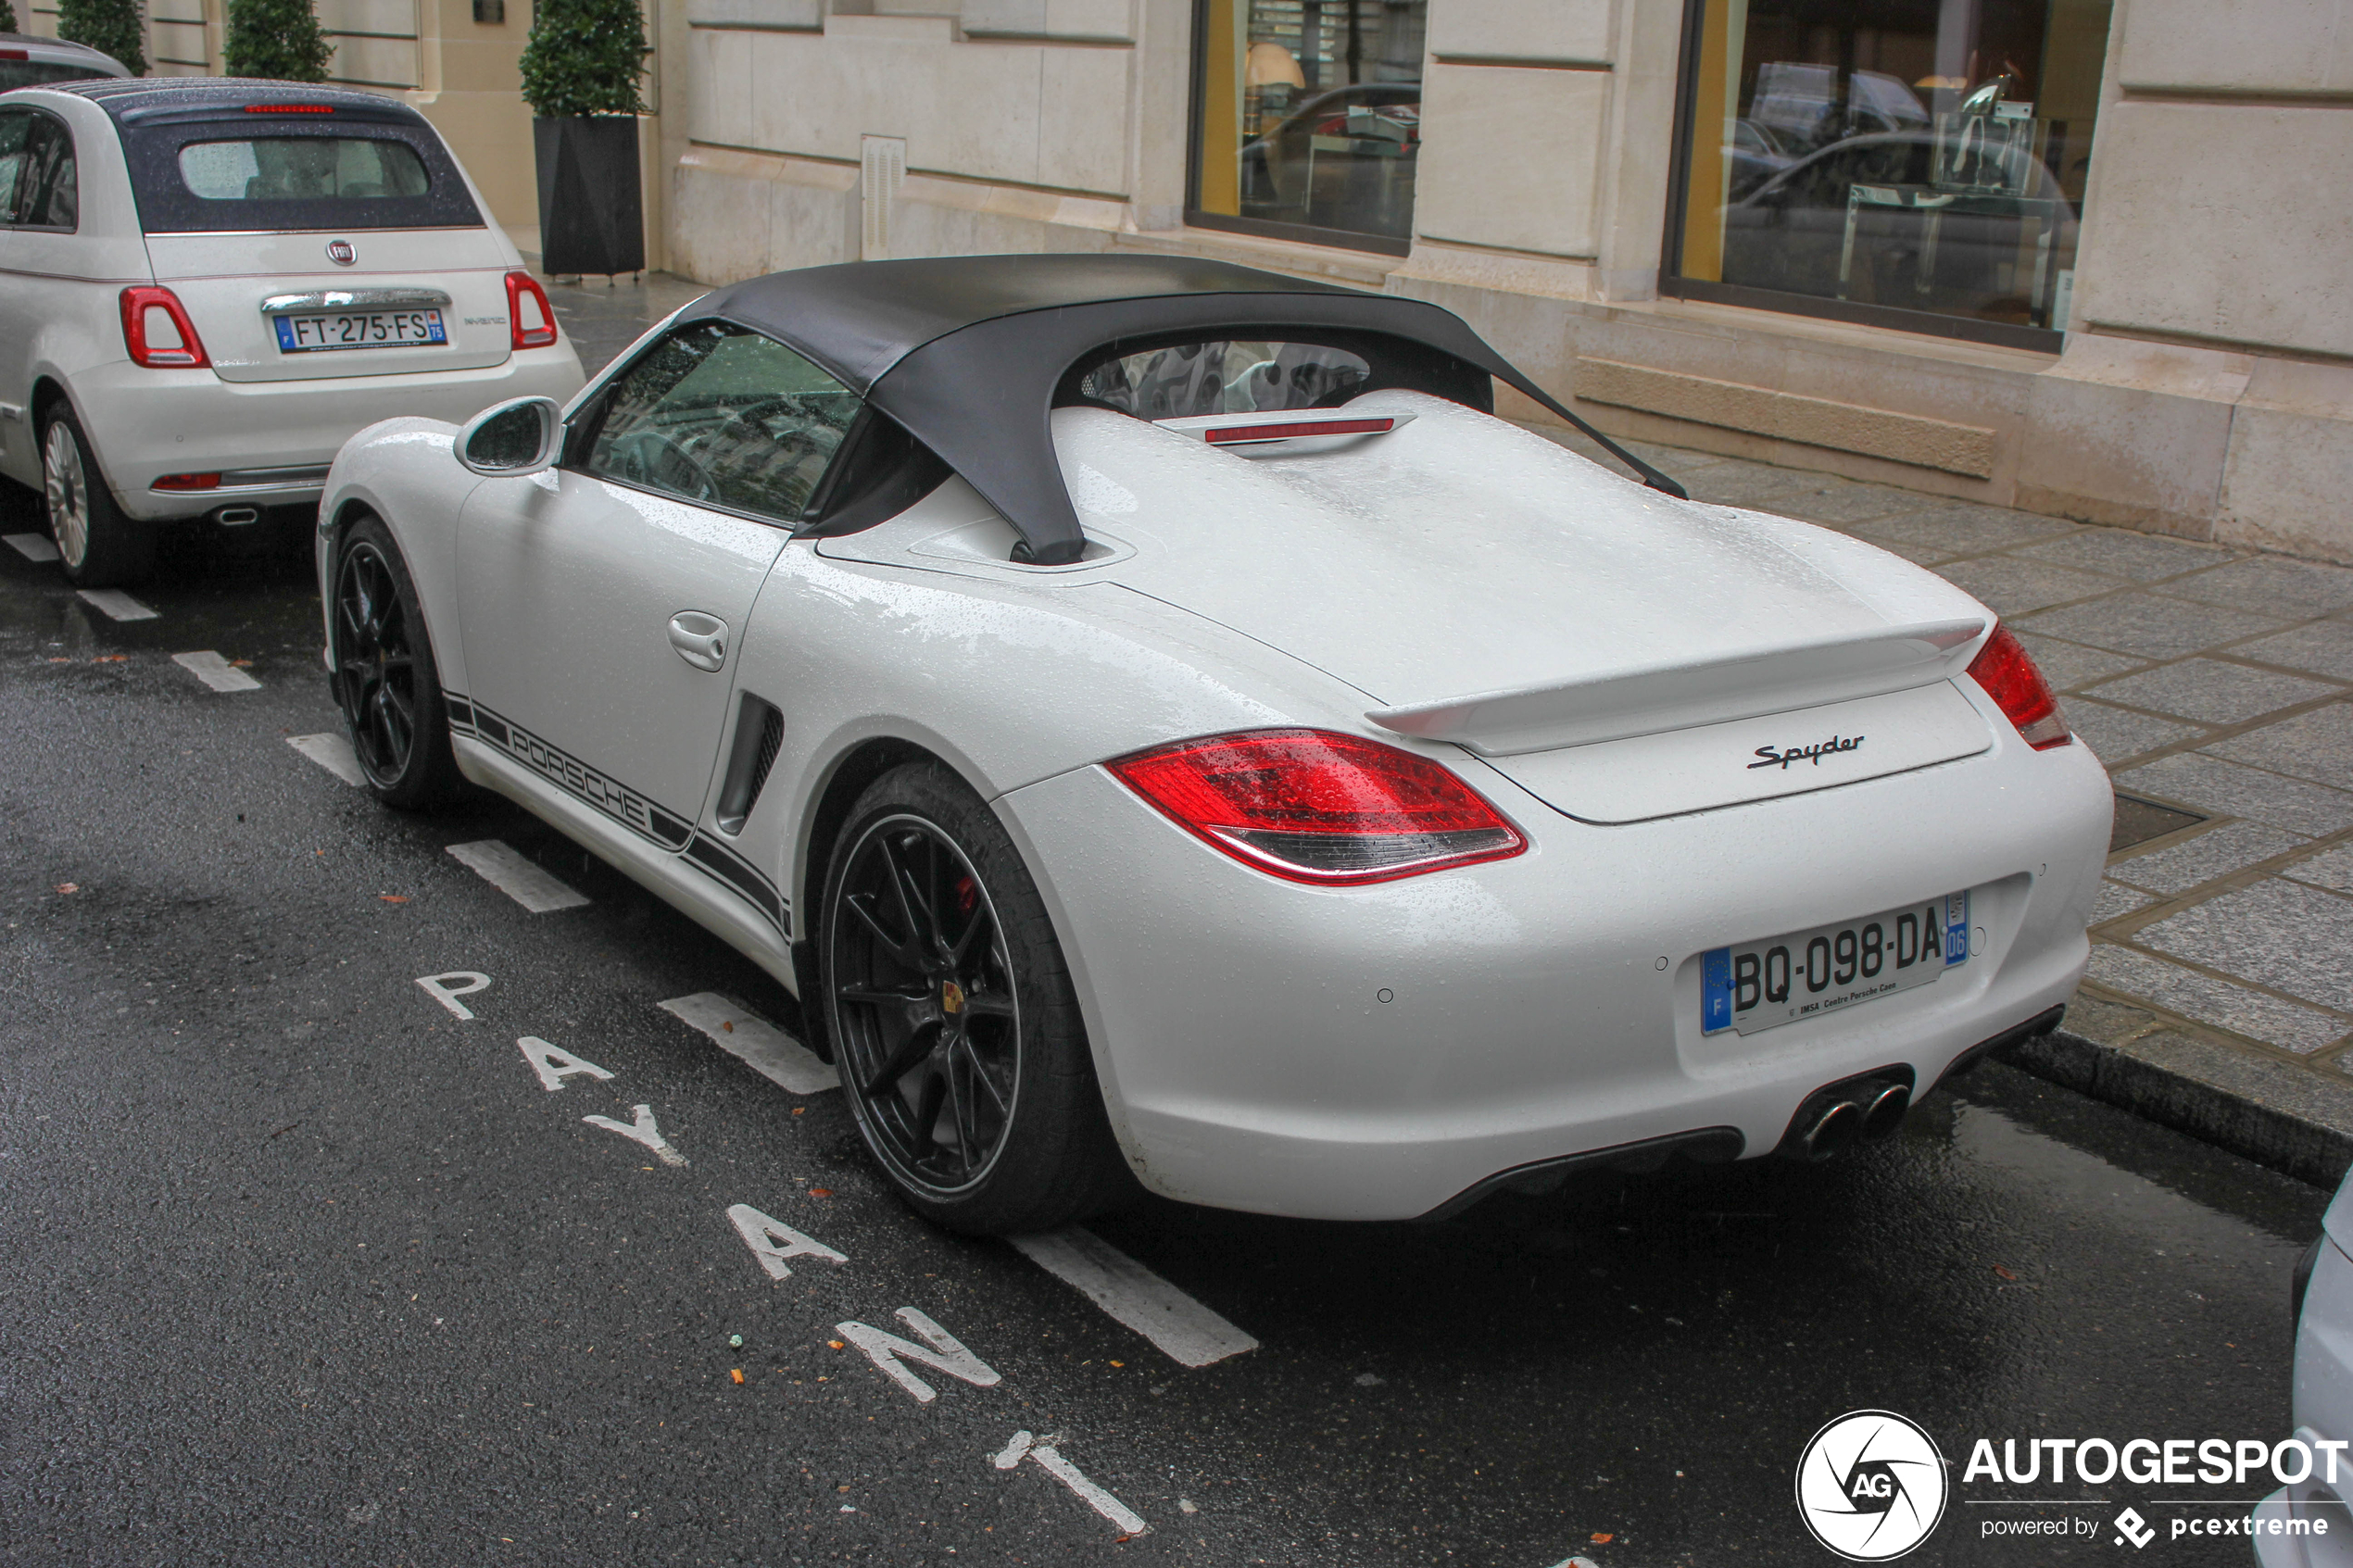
2205,389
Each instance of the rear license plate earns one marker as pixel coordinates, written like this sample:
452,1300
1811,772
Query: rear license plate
1764,985
378,329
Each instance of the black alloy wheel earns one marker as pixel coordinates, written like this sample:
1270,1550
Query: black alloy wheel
927,1021
384,677
954,1027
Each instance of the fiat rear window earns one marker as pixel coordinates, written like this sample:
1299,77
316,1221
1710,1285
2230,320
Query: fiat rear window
1185,375
314,168
346,169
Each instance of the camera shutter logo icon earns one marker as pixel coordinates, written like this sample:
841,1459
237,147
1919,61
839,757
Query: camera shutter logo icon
1871,1486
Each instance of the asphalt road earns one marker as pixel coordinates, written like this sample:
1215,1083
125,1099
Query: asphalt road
298,1266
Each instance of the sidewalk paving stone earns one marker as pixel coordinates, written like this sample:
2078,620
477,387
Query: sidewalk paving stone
2272,584
2317,745
2324,647
2150,626
2210,784
2210,691
2332,871
2069,666
2219,1003
2014,586
2117,900
2277,933
2118,734
2123,553
2210,855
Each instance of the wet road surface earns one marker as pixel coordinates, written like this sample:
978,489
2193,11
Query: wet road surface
301,1267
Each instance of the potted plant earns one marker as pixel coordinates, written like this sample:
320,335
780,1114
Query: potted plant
111,27
277,39
580,74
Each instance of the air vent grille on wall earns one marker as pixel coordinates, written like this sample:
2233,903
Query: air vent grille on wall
882,168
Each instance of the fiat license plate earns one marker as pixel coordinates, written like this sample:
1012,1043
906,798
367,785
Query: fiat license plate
1764,985
375,329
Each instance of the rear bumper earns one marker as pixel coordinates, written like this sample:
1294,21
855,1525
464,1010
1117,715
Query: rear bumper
1374,1053
147,424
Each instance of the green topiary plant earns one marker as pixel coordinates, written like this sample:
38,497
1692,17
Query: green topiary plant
584,58
7,16
111,27
277,39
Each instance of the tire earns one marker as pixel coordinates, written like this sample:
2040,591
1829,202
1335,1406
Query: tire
958,1039
384,679
99,546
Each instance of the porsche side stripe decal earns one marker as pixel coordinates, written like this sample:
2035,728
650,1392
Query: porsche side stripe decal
576,778
724,865
667,829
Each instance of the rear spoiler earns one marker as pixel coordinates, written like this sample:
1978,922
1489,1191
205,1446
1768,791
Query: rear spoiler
1711,691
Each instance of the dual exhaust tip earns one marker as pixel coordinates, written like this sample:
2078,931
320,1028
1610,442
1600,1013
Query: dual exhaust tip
1834,1120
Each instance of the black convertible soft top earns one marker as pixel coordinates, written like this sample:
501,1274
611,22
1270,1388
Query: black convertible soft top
965,353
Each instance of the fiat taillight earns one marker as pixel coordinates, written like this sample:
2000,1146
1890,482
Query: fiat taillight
528,312
1318,806
2006,672
157,332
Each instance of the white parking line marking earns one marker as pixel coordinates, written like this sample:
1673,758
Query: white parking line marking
644,1131
947,1354
555,1064
117,603
32,546
765,1048
332,752
762,1233
1049,1458
214,671
498,864
448,995
1187,1332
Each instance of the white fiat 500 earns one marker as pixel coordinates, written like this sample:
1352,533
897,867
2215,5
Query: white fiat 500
1165,726
206,287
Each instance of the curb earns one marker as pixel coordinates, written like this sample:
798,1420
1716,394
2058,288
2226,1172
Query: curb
2285,1117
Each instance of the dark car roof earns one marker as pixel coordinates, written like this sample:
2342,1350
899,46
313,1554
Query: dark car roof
148,100
965,352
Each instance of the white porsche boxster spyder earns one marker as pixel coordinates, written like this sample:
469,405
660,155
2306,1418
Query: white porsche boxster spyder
1165,729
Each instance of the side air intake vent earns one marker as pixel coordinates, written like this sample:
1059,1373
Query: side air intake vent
759,730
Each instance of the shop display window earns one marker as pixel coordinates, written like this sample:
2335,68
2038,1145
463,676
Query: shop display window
1914,163
1307,118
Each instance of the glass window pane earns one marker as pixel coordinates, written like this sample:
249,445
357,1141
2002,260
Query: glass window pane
718,414
48,196
1923,155
302,169
1310,112
1225,378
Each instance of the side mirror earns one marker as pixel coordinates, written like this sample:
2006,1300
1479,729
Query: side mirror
509,440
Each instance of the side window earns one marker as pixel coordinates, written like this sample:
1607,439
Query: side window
47,197
15,127
718,414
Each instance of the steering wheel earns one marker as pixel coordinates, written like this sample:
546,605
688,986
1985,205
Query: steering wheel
650,458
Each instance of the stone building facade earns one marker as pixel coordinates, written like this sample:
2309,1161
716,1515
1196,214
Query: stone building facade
2084,257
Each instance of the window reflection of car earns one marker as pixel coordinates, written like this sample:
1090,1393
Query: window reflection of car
1275,164
1789,232
1755,154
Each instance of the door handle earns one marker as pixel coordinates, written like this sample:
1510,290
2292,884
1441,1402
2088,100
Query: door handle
699,639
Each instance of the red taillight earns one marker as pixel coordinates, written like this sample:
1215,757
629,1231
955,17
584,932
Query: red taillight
187,481
541,330
1322,808
2008,676
1242,436
15,53
290,108
158,331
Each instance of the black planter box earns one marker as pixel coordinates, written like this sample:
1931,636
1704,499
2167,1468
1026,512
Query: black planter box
591,219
